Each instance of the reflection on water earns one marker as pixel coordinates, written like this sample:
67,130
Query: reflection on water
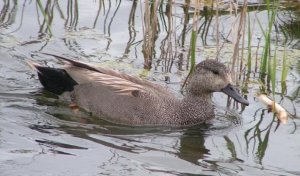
39,134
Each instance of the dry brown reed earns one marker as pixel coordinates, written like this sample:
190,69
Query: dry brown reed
150,27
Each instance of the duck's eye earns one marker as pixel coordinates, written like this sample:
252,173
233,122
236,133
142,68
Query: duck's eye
215,72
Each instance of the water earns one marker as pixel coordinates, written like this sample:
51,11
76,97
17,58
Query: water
41,136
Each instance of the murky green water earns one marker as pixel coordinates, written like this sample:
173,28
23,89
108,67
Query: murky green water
41,136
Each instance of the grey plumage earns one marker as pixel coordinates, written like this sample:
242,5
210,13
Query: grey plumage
123,99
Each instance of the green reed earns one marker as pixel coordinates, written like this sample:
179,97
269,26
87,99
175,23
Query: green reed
194,36
284,72
285,66
265,66
273,72
249,57
193,41
45,15
193,49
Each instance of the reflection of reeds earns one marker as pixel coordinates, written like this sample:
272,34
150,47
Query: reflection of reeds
72,14
259,137
167,52
101,4
231,147
182,37
8,13
48,16
131,27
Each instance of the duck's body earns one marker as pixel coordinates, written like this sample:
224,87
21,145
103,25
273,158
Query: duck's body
123,99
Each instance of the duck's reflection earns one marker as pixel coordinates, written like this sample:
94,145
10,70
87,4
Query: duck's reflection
192,142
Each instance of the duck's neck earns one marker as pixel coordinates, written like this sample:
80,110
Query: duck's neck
196,108
197,101
199,96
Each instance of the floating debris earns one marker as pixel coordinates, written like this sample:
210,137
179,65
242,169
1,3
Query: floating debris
281,113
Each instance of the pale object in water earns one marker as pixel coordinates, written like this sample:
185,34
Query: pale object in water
275,107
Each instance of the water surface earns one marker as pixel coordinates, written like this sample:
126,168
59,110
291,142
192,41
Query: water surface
40,135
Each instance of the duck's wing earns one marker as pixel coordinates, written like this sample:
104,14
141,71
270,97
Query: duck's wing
119,82
100,69
116,84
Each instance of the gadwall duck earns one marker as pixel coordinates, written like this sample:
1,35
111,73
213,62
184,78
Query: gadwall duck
123,99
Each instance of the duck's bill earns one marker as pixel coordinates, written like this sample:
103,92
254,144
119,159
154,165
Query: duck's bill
233,93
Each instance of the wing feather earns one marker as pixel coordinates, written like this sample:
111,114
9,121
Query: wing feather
116,84
118,81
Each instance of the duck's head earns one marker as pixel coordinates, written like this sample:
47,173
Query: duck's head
212,76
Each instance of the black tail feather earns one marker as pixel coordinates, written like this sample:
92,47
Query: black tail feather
55,80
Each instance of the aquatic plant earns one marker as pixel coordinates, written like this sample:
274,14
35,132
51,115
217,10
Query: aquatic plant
285,66
266,57
150,29
45,15
249,57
